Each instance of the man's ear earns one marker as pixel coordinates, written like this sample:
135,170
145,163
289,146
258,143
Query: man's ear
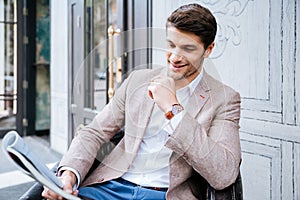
209,50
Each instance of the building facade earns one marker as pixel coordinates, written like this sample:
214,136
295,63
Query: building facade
257,53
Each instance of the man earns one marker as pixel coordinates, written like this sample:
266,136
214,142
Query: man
181,126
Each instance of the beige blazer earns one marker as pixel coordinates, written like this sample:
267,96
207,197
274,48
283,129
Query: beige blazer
206,140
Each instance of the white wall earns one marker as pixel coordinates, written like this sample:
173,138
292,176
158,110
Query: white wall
256,54
59,75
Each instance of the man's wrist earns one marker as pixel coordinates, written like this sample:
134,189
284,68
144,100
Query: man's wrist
174,110
70,174
74,172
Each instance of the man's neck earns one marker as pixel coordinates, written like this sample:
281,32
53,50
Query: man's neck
185,81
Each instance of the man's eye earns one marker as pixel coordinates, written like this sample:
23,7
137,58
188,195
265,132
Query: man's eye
189,49
171,45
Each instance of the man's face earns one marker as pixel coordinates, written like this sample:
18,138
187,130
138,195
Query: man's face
185,54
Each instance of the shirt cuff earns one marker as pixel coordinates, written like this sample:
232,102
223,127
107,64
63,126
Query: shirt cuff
64,168
173,123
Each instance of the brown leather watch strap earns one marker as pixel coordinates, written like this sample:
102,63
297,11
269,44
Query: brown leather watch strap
169,115
176,108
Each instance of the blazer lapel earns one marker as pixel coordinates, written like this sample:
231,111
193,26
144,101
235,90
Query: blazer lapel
146,110
199,97
147,106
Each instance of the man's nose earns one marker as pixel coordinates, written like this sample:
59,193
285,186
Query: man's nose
175,58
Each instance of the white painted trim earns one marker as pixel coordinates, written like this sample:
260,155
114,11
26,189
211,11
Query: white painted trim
271,130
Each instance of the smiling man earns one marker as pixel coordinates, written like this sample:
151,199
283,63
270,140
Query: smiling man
181,126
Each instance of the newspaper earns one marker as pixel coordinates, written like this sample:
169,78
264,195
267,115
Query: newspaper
25,160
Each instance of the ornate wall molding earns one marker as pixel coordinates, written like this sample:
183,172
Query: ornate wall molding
226,13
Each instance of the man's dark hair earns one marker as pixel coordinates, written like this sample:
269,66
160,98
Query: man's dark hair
196,19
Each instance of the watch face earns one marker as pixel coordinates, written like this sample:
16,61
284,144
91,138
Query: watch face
176,108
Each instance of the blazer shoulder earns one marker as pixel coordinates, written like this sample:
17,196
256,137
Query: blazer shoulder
218,86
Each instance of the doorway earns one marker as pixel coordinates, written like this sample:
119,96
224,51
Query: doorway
100,33
24,67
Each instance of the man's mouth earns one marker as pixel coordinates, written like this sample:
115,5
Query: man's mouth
178,65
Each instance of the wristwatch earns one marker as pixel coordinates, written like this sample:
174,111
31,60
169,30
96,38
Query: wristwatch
176,108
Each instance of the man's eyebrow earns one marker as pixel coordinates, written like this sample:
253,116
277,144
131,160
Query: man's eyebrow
189,46
183,45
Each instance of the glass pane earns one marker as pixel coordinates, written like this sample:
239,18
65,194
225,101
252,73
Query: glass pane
8,10
42,98
95,64
100,68
42,31
8,75
96,47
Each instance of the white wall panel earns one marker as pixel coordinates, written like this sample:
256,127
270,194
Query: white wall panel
270,164
261,169
287,169
297,64
59,75
288,61
259,174
59,123
296,170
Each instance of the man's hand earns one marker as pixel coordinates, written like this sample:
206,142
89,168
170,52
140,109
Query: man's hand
68,179
162,91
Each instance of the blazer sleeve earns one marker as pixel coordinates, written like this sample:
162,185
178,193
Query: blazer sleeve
212,150
88,139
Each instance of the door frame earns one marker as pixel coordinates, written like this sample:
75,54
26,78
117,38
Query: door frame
75,8
129,18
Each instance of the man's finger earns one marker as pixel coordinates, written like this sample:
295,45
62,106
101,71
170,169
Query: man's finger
48,194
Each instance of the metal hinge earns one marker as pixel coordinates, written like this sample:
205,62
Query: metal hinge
25,39
25,84
25,122
25,11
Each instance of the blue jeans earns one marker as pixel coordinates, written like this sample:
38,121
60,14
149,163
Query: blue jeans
120,189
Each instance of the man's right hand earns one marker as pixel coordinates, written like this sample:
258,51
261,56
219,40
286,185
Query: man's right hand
163,92
68,179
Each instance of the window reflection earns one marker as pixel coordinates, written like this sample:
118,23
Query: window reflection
96,52
8,72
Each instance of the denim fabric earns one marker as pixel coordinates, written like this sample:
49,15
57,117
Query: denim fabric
119,190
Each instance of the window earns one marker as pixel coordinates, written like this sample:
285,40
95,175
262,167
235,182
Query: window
8,64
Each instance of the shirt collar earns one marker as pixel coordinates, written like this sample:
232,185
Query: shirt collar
195,82
192,85
185,92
